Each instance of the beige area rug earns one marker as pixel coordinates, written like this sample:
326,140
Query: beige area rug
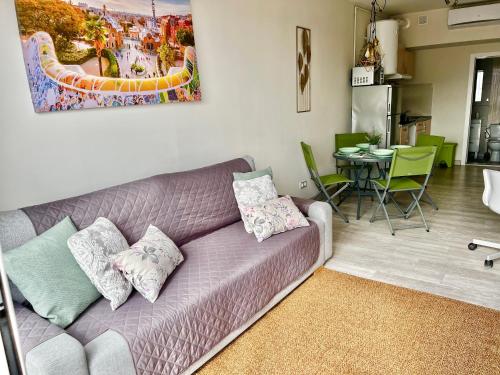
340,324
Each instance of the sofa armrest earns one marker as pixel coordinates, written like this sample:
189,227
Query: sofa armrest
47,349
321,213
109,353
61,355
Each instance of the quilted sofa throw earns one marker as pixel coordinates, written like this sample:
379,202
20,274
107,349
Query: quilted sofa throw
132,53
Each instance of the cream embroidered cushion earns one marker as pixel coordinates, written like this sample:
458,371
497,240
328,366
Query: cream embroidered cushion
273,217
94,249
253,192
149,262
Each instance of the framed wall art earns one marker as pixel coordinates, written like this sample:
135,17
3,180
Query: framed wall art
97,53
303,61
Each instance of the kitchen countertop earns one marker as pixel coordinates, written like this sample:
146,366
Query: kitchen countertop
414,119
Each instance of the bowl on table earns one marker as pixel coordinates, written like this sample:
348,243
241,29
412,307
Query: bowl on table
394,147
363,146
382,152
349,150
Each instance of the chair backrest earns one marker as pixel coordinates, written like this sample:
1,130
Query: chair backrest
349,139
414,161
491,195
431,140
309,158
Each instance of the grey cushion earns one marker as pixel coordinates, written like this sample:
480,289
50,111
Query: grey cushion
61,355
238,176
109,354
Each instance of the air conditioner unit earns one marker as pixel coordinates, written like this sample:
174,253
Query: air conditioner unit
474,15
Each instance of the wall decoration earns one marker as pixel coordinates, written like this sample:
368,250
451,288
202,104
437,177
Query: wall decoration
108,53
303,69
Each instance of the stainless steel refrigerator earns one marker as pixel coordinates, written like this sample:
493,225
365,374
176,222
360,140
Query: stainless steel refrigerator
374,109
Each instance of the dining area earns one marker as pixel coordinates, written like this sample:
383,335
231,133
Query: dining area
388,184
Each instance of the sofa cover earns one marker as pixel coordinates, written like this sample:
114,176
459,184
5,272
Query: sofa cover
227,280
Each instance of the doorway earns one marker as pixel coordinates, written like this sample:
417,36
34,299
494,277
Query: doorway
483,127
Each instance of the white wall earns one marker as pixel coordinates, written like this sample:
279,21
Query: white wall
447,69
246,53
437,32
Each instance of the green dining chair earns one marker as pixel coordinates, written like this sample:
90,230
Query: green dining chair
430,140
347,140
325,182
406,163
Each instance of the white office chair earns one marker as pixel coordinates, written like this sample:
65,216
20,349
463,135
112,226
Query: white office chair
491,199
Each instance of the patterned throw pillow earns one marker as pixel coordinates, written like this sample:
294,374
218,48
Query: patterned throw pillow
94,248
149,262
273,217
253,192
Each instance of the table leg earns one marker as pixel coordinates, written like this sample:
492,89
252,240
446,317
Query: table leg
357,176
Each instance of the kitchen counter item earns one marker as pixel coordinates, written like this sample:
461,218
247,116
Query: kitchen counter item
382,152
394,147
412,120
349,150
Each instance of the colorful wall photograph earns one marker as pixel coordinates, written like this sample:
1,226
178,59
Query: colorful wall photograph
303,62
108,53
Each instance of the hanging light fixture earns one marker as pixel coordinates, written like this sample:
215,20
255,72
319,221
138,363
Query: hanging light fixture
371,54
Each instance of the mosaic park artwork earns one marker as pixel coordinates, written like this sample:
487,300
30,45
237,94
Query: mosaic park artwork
108,53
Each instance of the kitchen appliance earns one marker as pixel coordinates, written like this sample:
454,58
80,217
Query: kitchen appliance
373,111
493,133
387,32
366,76
474,137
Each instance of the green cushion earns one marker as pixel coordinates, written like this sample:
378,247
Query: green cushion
401,183
333,179
238,176
49,277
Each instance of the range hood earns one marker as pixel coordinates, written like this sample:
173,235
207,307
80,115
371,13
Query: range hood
397,77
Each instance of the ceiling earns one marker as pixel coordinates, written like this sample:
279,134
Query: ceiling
406,6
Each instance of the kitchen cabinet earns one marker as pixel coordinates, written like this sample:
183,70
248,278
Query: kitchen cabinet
408,133
406,62
404,135
423,127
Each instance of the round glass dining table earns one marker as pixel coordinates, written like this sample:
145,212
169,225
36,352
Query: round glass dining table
364,163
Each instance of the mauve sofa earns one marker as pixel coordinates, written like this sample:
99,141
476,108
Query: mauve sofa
227,281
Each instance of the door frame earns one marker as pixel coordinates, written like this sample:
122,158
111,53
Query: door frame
468,107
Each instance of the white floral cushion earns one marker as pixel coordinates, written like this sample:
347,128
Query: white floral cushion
253,192
94,249
149,262
273,217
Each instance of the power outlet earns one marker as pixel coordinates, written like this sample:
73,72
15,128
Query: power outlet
303,184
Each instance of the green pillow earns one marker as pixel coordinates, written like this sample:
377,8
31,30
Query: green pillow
49,277
238,176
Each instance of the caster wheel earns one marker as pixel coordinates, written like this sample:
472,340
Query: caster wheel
488,263
472,246
428,230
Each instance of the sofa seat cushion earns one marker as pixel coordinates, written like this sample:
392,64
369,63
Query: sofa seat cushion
226,278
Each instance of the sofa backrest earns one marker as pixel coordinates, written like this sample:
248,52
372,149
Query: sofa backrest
184,205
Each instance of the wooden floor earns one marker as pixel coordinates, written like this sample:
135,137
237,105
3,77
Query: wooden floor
437,262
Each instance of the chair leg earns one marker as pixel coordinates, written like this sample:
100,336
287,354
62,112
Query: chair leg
391,197
488,262
429,200
329,200
420,210
382,205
